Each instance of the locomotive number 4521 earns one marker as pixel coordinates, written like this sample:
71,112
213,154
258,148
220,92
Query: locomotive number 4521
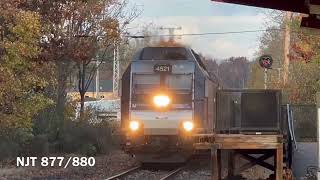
164,68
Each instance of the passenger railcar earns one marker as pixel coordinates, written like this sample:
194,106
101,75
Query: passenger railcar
167,96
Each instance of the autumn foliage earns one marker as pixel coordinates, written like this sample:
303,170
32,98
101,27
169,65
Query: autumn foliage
21,75
42,44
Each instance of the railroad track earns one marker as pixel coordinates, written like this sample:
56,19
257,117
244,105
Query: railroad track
167,175
124,173
172,173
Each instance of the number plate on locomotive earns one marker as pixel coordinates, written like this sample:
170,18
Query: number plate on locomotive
162,68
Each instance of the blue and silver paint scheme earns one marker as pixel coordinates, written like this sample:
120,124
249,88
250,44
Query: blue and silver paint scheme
161,137
157,122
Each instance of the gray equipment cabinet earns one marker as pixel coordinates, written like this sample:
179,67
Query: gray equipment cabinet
249,111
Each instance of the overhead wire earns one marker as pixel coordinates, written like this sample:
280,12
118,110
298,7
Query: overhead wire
217,33
206,33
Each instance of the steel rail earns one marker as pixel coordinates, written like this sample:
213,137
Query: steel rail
124,173
171,173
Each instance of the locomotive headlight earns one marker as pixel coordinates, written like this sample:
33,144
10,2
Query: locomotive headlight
134,125
161,100
188,126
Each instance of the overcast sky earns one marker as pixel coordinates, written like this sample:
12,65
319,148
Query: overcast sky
201,16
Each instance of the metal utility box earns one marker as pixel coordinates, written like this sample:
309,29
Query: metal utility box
249,111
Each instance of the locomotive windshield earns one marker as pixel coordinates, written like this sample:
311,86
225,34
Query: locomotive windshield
179,82
179,86
145,83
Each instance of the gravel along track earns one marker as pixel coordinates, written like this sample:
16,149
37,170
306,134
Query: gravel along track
198,168
150,172
146,174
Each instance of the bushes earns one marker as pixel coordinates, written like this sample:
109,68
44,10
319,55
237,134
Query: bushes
39,145
15,143
8,149
86,138
76,137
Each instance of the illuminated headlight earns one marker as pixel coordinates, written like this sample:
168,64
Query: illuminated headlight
188,126
134,125
161,100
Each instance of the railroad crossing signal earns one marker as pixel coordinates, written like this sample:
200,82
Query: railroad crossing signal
266,61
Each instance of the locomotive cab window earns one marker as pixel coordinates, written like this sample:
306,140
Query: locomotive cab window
142,87
179,82
145,83
181,87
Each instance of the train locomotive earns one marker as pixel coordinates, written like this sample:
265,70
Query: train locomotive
167,97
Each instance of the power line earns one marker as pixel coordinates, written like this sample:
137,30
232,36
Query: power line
207,33
219,33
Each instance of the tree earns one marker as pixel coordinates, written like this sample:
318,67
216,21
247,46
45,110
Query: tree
303,79
305,64
233,72
76,32
21,78
100,26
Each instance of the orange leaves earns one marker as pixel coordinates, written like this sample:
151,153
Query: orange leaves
304,49
302,52
304,46
85,51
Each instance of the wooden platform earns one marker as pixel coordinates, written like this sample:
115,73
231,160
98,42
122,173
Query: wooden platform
244,145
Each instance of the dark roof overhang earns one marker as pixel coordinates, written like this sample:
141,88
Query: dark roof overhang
311,7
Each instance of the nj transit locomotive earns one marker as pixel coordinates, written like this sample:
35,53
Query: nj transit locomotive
167,96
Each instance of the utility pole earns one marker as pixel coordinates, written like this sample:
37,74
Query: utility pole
286,47
97,78
171,31
116,69
265,78
279,75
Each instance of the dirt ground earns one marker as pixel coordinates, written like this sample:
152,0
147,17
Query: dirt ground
105,166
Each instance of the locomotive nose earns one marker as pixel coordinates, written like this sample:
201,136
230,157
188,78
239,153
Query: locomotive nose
164,123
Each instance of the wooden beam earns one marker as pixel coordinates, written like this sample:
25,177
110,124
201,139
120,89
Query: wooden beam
231,145
202,146
286,5
256,161
310,22
219,138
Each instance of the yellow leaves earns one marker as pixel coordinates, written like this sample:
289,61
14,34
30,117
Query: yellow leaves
19,73
21,116
305,47
110,28
27,34
28,25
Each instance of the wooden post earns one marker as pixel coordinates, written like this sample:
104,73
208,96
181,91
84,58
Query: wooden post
318,129
279,162
231,163
219,163
216,163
